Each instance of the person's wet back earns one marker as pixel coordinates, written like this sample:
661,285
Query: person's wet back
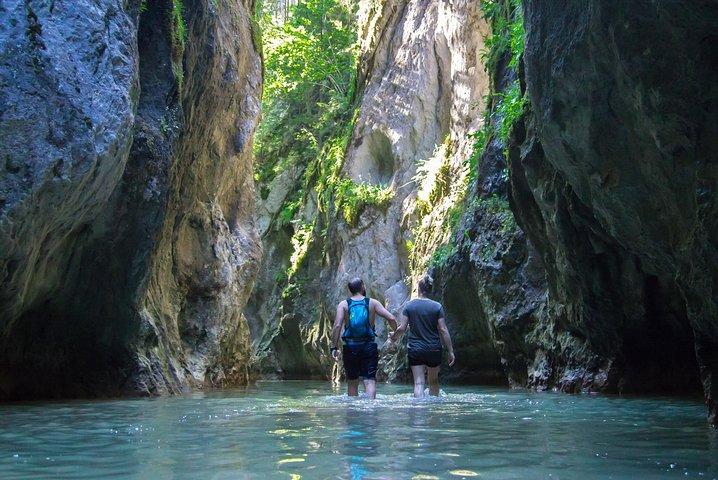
356,315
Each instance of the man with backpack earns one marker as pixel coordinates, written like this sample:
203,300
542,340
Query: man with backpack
361,356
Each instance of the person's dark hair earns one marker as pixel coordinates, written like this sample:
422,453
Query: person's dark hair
355,285
426,285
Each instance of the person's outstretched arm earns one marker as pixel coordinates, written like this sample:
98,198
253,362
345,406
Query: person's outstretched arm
446,340
384,313
337,330
403,324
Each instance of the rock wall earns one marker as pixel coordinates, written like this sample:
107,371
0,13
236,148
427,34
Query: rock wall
127,245
614,184
422,87
605,283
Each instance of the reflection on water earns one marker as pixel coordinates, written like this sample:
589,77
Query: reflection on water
306,430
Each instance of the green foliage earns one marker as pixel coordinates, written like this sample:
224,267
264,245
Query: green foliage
179,30
311,55
434,177
179,36
481,138
422,235
507,32
499,208
290,210
421,208
498,124
442,254
443,176
509,109
504,108
351,198
409,247
280,276
291,290
325,171
453,216
517,36
302,238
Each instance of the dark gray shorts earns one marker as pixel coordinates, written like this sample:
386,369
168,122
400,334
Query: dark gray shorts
360,361
420,357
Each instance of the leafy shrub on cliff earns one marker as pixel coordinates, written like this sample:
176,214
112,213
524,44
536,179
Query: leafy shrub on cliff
311,55
509,109
504,108
309,59
300,242
352,198
507,32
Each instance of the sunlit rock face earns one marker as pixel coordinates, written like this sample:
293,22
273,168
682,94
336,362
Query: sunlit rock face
422,88
127,244
614,185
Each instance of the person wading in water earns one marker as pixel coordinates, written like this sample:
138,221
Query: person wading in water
427,332
360,353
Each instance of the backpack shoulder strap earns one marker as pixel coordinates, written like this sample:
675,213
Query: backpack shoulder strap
349,309
369,317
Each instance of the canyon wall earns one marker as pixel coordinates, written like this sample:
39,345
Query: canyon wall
613,177
579,255
127,242
422,88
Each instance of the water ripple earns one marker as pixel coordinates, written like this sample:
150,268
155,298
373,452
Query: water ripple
307,430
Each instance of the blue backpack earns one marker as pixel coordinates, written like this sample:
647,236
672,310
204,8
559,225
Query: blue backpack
358,326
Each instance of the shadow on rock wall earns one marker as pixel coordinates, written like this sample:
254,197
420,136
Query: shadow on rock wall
127,157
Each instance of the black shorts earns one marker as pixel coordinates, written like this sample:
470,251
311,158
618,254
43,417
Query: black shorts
360,360
420,357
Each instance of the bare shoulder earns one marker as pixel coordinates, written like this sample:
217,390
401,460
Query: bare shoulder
342,305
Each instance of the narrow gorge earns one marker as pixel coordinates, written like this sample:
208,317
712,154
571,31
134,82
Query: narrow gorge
551,164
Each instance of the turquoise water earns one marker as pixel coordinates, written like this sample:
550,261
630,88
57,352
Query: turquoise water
307,430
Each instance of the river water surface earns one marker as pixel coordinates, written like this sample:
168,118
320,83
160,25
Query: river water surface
307,430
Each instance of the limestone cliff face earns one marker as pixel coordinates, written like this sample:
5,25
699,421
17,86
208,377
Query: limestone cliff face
422,88
614,184
606,282
127,246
